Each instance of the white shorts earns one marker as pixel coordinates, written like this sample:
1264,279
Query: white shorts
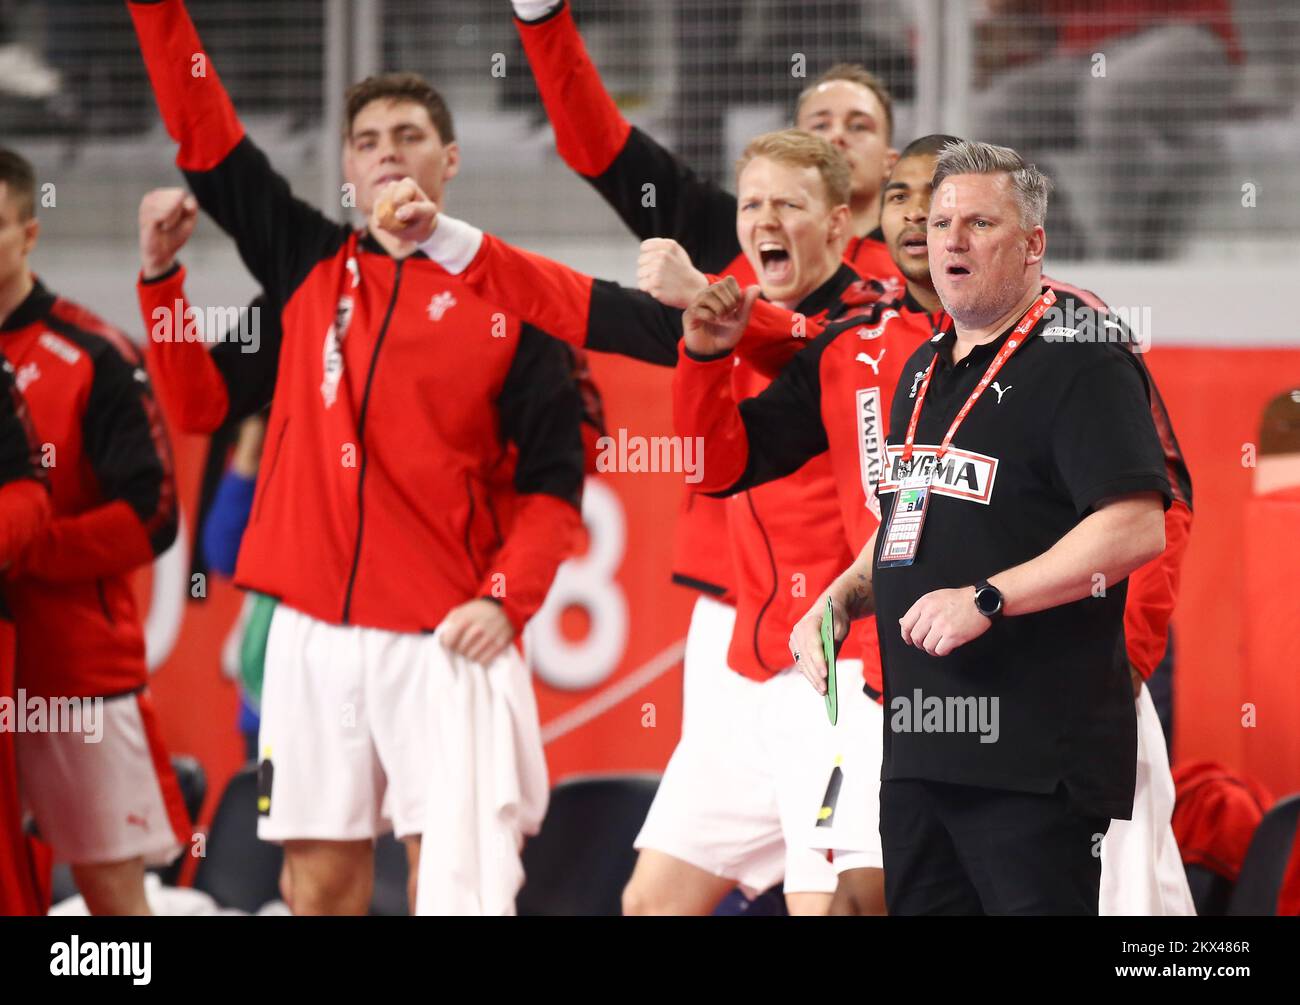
345,741
1141,868
107,800
738,792
848,821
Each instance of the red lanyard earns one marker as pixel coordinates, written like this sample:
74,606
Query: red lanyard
1025,326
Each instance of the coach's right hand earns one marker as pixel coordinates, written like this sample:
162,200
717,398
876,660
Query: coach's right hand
403,210
716,317
806,642
168,217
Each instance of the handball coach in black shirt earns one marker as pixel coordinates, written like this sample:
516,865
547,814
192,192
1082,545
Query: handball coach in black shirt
1025,481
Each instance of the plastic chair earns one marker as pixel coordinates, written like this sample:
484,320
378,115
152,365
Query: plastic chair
583,857
1264,868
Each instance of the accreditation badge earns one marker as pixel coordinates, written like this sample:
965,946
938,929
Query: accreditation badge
903,532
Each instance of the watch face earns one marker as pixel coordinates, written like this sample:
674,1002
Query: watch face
988,600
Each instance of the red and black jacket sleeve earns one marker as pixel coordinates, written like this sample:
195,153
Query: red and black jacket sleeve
653,192
757,440
541,412
24,493
125,445
204,388
1153,589
584,312
280,238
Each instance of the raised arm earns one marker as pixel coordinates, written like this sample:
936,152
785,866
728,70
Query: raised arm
201,387
653,192
279,237
573,307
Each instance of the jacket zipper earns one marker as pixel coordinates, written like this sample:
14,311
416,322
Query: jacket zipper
469,527
762,611
361,441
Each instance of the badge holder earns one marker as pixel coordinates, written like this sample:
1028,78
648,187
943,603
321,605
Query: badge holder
906,519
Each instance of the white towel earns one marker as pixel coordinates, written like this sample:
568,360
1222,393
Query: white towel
488,785
1141,868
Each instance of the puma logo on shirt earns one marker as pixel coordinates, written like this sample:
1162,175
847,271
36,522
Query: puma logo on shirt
862,357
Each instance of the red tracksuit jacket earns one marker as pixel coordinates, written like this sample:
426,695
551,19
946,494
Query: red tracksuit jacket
114,499
831,400
379,501
782,539
619,161
24,509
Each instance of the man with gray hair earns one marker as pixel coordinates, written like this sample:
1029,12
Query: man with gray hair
1024,482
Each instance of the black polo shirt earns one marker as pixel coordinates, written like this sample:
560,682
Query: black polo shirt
1065,425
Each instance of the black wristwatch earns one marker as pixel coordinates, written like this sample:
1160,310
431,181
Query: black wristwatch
988,599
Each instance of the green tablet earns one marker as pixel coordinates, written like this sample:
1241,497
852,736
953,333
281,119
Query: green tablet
828,650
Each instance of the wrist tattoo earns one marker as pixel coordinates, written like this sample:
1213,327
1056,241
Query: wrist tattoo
859,601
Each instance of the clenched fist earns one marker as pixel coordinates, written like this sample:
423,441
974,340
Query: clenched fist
664,270
167,219
478,630
404,211
943,620
716,317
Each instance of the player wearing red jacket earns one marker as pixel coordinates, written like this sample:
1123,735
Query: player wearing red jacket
696,842
687,222
418,492
24,510
97,779
815,405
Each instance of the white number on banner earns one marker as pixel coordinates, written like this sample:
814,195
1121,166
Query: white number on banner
587,582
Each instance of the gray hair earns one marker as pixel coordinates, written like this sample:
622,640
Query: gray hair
1031,186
